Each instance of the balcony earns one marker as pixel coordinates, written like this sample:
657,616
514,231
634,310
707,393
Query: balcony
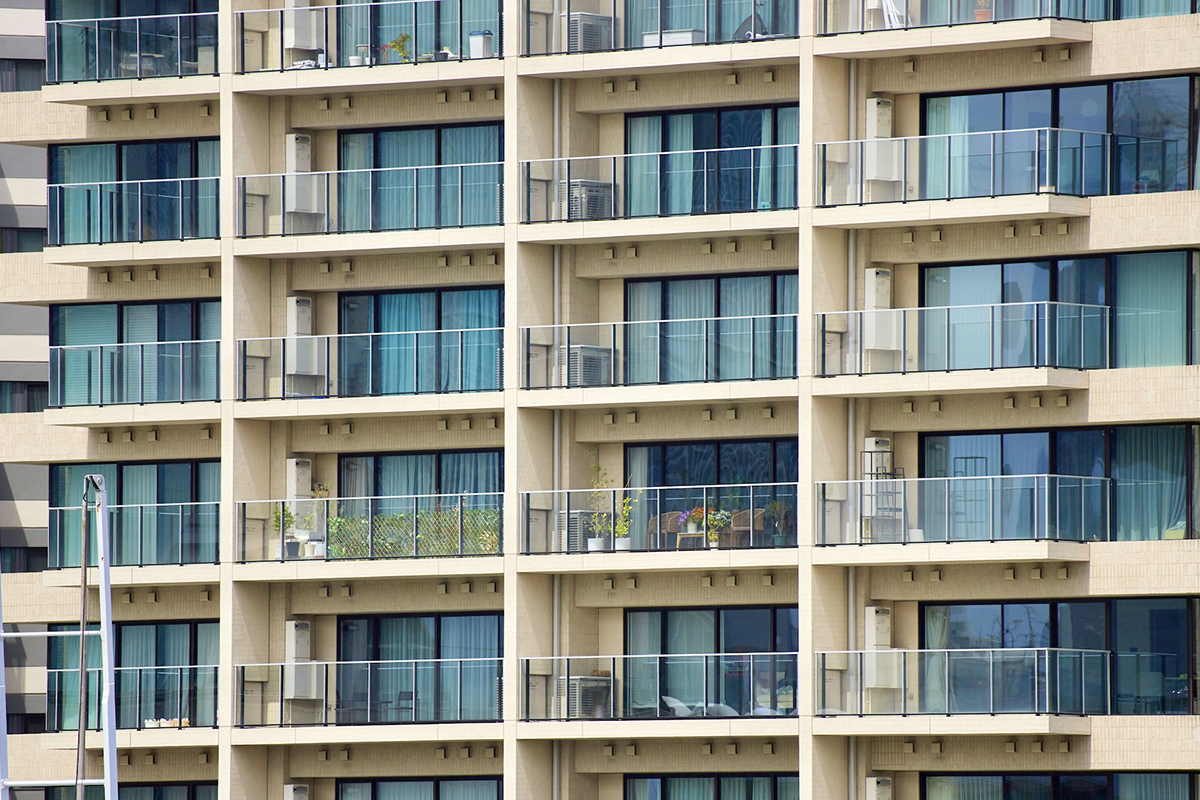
147,697
133,211
864,16
974,338
600,27
369,200
661,518
371,365
321,693
142,535
371,528
134,373
997,508
644,185
131,48
400,32
712,350
642,687
950,682
1037,170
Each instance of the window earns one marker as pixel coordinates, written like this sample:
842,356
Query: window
23,397
421,789
26,723
165,670
1151,660
711,160
651,24
1150,148
412,178
22,240
366,33
21,75
164,512
745,343
419,668
712,787
1086,786
1148,468
158,791
143,190
666,661
22,559
114,353
445,340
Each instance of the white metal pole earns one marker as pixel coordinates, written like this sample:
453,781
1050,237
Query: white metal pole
108,707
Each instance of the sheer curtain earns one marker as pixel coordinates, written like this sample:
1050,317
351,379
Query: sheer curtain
691,788
964,787
73,212
66,531
406,691
687,675
357,155
689,353
201,372
685,172
137,688
643,135
469,637
1150,309
139,526
946,159
471,358
1149,472
404,360
76,375
208,655
399,790
471,195
404,196
643,305
1150,786
744,345
937,637
139,366
477,790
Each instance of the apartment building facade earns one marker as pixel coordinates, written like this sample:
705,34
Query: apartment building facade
598,401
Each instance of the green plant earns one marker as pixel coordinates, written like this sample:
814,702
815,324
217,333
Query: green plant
718,520
983,5
621,523
693,515
284,520
779,513
400,46
599,520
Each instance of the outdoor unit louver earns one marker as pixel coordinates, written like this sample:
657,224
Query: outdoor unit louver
586,199
589,33
586,365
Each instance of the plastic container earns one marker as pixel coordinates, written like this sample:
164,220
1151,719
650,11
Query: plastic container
481,44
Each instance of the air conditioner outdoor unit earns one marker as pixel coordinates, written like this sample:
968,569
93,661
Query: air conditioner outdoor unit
586,365
295,791
879,788
588,33
577,526
301,679
584,200
578,696
299,478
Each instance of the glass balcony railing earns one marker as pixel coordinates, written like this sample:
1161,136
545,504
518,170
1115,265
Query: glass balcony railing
996,681
126,48
644,687
371,364
147,697
983,509
861,16
659,351
369,528
365,200
944,339
596,26
142,535
369,692
367,34
660,518
134,373
660,184
133,211
995,163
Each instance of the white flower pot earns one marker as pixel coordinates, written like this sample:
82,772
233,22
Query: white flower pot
713,544
595,545
693,527
355,61
623,543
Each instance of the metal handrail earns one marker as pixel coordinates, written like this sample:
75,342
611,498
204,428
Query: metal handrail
135,17
371,169
749,148
87,184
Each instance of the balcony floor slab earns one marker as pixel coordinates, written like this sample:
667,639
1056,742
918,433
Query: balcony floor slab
154,575
366,79
354,734
955,382
950,553
953,725
133,414
951,212
359,407
669,560
646,228
678,728
666,59
145,90
379,569
678,394
116,254
333,245
128,738
953,39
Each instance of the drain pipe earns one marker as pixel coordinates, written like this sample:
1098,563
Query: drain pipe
852,425
556,746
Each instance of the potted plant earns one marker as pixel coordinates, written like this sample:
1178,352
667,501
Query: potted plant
621,540
983,10
598,521
779,513
399,46
691,519
718,522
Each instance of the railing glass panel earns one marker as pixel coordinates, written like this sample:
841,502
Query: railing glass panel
861,16
369,528
365,200
660,184
988,508
133,211
147,697
944,339
369,692
145,372
738,516
371,364
142,535
997,681
129,48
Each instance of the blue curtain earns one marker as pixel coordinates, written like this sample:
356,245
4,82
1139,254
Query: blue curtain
642,340
744,345
470,359
486,789
1150,309
468,637
404,360
471,195
1149,472
77,375
82,214
355,193
404,198
642,171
